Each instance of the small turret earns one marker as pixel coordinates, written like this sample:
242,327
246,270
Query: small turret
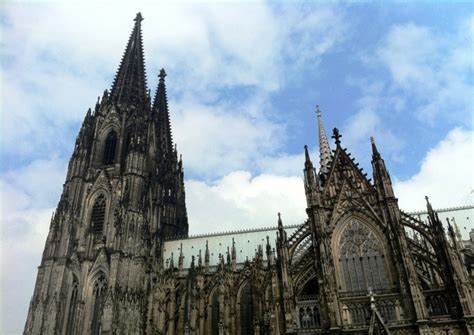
206,257
181,258
382,180
310,182
234,255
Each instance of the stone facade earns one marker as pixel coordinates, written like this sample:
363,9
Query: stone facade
118,259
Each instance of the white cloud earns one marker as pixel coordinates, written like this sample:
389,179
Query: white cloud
312,33
433,67
285,165
238,201
27,195
369,120
21,254
446,175
58,70
214,142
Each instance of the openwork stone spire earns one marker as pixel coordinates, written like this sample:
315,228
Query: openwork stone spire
130,81
160,107
324,148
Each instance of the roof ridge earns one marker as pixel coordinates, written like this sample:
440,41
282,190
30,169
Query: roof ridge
445,209
237,231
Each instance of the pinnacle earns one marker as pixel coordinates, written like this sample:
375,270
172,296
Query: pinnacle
375,152
306,153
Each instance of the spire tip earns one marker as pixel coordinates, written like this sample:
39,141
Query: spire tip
162,74
138,17
318,111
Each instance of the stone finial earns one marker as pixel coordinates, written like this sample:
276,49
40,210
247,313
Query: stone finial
336,136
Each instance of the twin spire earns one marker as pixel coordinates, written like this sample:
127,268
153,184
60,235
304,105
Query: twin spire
160,107
130,87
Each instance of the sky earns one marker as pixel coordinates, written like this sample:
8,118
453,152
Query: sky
243,83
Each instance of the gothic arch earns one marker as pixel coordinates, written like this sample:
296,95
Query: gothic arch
96,294
213,311
303,278
74,297
105,129
99,295
366,254
245,308
101,266
110,148
92,201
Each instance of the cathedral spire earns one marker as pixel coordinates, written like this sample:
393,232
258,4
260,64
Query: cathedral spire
324,148
160,106
375,152
381,176
129,86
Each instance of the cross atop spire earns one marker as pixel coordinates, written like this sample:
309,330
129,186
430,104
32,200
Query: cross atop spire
138,17
129,86
160,106
336,136
162,75
324,148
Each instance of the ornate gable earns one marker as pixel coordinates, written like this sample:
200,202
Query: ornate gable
102,180
347,188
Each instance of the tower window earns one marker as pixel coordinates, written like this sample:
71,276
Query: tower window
72,306
215,318
109,148
98,215
246,310
100,290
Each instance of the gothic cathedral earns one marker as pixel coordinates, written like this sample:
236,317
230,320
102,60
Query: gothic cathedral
118,259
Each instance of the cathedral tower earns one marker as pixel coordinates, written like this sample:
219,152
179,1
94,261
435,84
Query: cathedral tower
123,196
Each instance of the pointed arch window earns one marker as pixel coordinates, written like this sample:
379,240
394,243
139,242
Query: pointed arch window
98,294
362,260
215,314
109,148
246,310
71,318
98,215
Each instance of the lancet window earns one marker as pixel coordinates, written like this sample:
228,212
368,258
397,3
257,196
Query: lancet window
110,146
215,314
98,215
362,259
99,293
246,310
71,318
